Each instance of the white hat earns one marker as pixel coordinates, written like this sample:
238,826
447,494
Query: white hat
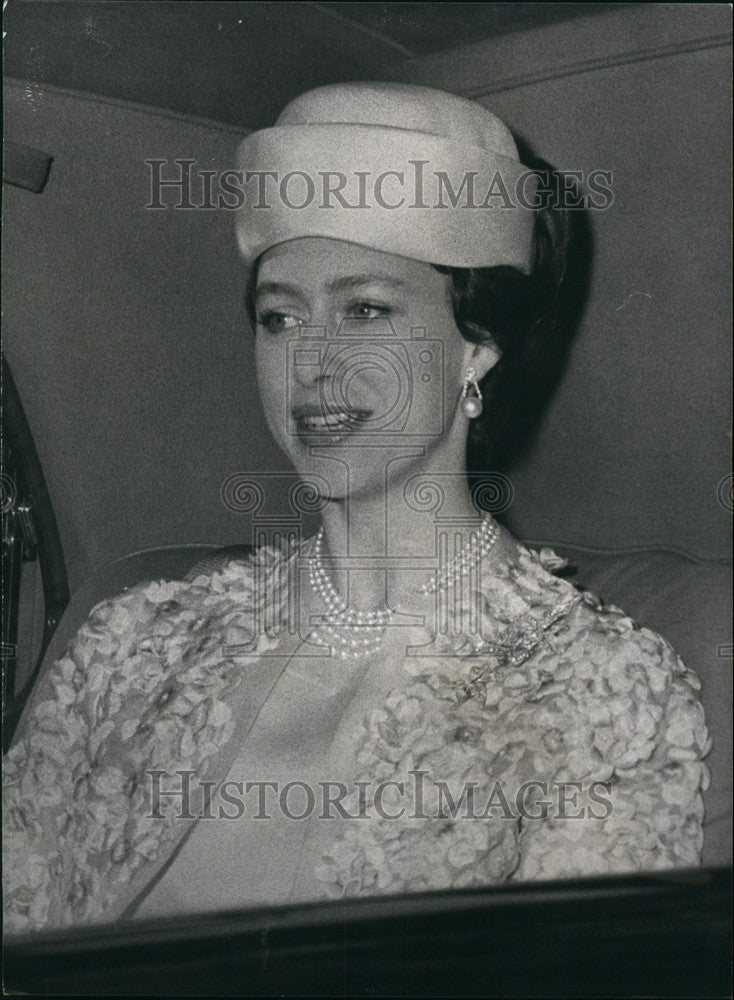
394,167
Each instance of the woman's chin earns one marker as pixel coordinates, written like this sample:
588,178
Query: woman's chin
338,479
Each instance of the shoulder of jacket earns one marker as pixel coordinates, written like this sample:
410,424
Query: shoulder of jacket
631,685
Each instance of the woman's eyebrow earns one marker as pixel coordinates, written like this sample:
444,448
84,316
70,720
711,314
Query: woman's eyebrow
275,288
349,281
358,280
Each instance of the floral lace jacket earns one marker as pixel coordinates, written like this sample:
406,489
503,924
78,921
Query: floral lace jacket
553,683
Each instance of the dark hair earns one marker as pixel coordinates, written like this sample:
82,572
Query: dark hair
523,315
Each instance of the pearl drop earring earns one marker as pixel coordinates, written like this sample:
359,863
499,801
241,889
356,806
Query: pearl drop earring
471,405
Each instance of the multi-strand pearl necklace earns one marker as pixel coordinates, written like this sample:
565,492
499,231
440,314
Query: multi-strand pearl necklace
354,633
473,552
357,634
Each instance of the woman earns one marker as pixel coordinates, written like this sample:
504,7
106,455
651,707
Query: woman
465,716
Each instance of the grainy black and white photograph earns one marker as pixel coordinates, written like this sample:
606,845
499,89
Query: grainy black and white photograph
366,499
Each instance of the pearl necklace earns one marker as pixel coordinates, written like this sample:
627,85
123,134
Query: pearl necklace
473,552
359,634
354,633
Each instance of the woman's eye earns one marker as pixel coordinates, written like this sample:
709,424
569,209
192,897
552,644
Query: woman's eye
276,322
368,310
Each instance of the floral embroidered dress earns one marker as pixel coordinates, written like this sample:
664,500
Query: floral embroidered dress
548,688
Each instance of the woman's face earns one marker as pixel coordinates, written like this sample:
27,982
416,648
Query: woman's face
359,359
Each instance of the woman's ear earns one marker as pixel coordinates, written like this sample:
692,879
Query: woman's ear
481,357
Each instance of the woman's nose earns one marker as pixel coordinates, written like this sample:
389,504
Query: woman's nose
308,354
307,362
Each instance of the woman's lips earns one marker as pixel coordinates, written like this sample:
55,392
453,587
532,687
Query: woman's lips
333,426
